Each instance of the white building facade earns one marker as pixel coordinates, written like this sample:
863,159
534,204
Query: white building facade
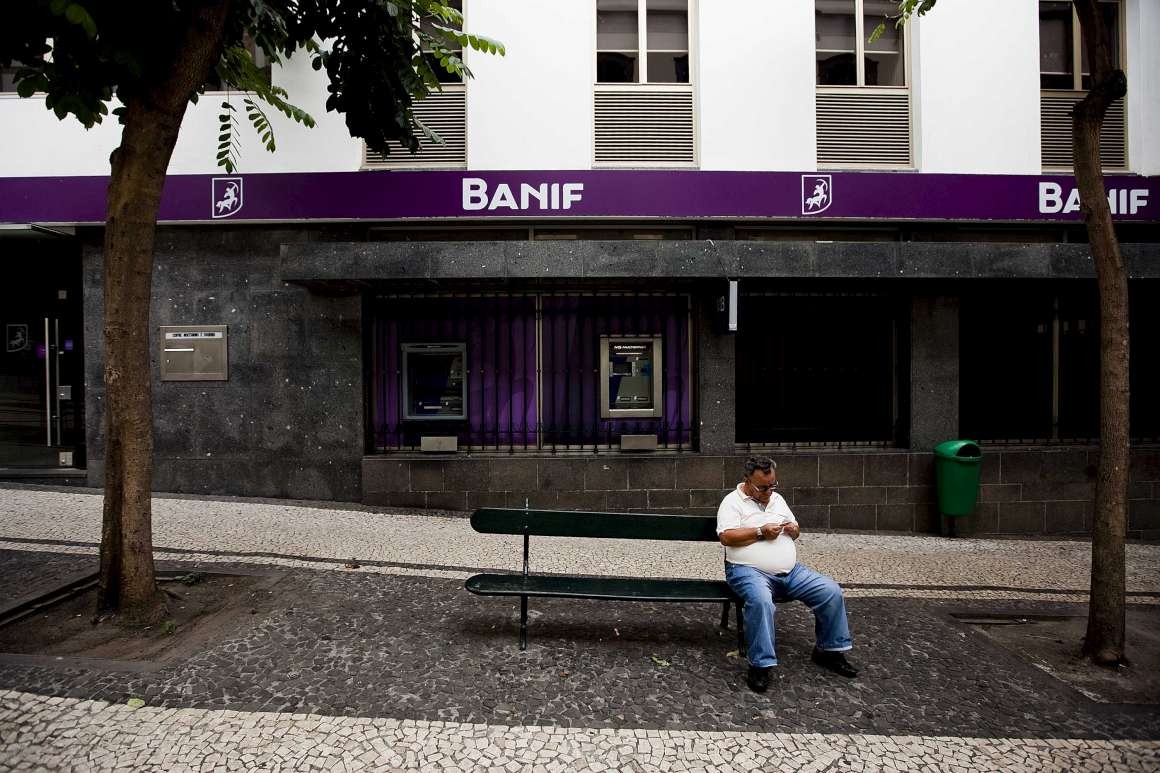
660,235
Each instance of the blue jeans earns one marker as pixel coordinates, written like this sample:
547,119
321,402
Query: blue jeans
760,591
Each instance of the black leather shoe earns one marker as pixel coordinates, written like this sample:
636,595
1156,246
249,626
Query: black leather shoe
758,679
836,662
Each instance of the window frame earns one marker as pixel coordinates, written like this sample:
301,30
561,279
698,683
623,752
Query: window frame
642,50
445,78
860,51
1077,47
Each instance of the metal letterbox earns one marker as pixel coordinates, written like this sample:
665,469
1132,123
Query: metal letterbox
194,353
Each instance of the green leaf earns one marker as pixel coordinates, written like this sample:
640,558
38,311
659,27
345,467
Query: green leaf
135,703
659,661
80,17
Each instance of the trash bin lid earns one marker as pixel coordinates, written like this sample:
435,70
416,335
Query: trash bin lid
960,450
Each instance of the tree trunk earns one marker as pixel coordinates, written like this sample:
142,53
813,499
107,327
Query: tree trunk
1104,642
152,120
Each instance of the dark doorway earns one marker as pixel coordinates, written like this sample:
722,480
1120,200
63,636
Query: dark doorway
41,366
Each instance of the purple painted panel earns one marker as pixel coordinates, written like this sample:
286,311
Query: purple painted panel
572,326
501,360
397,195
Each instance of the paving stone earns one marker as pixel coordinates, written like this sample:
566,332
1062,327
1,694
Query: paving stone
371,667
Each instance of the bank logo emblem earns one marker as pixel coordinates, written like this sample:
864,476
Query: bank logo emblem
16,338
226,196
817,193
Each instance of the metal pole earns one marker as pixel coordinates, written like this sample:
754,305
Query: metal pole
56,381
47,389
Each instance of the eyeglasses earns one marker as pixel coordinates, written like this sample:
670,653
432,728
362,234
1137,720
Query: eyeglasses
762,489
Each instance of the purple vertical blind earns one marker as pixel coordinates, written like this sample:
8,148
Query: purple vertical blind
500,335
572,327
504,411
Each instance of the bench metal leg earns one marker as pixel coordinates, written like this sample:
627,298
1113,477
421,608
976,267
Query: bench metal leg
523,622
740,629
725,616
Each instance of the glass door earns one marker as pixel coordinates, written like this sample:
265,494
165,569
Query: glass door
41,373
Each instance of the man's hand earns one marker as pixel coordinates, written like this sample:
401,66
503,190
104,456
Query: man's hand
770,530
792,529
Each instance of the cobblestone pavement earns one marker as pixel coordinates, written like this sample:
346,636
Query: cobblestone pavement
395,666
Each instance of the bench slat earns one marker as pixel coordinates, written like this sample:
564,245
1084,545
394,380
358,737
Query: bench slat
569,523
600,588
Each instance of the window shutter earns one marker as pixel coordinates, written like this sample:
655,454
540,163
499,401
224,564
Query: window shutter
639,127
1055,127
863,128
444,112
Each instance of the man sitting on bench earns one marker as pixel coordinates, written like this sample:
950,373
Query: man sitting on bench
758,531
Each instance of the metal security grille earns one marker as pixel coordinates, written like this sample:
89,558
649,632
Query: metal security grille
863,127
820,369
1040,348
1055,127
445,113
532,368
638,127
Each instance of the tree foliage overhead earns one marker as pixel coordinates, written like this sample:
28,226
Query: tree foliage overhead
84,54
145,61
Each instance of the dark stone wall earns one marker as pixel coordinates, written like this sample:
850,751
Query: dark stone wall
344,261
289,421
934,370
1026,491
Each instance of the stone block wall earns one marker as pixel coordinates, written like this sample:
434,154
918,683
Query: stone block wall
1037,491
289,421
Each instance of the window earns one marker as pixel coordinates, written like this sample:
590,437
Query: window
434,385
820,369
642,41
845,57
1063,84
522,371
214,83
8,78
450,46
1061,45
443,111
863,104
1030,363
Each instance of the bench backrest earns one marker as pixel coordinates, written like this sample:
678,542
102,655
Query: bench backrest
569,523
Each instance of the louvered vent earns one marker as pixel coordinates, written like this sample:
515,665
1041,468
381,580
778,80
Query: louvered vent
444,112
644,128
1055,125
863,128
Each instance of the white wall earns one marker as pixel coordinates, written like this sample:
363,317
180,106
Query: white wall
975,86
326,147
33,143
36,144
1143,69
755,87
531,109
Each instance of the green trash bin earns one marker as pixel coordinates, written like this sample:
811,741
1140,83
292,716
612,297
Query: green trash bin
957,464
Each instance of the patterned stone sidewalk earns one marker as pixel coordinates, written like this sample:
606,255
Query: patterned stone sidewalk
315,536
394,666
68,734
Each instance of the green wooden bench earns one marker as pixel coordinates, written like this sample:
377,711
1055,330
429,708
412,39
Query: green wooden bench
564,523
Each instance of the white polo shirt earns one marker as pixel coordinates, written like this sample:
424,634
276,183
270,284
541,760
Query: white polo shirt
740,511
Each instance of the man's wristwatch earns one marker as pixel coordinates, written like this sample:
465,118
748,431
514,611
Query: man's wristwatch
760,534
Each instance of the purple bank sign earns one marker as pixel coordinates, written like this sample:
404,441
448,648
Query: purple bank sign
397,195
